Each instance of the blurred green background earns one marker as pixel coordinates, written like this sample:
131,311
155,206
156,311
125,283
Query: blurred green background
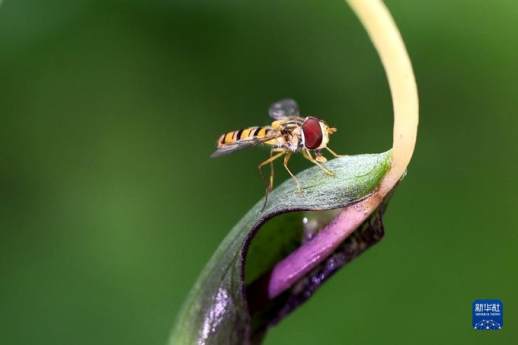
110,206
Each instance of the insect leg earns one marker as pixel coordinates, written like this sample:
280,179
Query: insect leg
269,161
307,154
261,165
270,186
286,159
334,153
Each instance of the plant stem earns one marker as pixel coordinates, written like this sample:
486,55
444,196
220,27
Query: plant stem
387,40
385,36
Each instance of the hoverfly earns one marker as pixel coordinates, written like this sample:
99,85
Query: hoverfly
287,134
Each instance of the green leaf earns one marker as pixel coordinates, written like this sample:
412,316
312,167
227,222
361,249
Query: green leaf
217,310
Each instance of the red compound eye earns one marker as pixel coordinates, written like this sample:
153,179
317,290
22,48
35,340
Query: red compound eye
312,133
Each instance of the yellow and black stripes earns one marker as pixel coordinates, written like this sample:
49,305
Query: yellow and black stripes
246,134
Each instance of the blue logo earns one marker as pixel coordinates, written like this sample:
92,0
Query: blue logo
487,314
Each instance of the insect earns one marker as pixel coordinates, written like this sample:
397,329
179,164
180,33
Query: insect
289,133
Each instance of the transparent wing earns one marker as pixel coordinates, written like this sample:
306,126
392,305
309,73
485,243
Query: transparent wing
226,149
284,108
230,148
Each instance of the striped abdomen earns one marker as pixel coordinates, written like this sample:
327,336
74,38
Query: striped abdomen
243,135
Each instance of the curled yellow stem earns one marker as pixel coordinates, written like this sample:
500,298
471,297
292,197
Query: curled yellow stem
387,40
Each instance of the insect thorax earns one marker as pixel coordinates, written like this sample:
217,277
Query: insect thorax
291,141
